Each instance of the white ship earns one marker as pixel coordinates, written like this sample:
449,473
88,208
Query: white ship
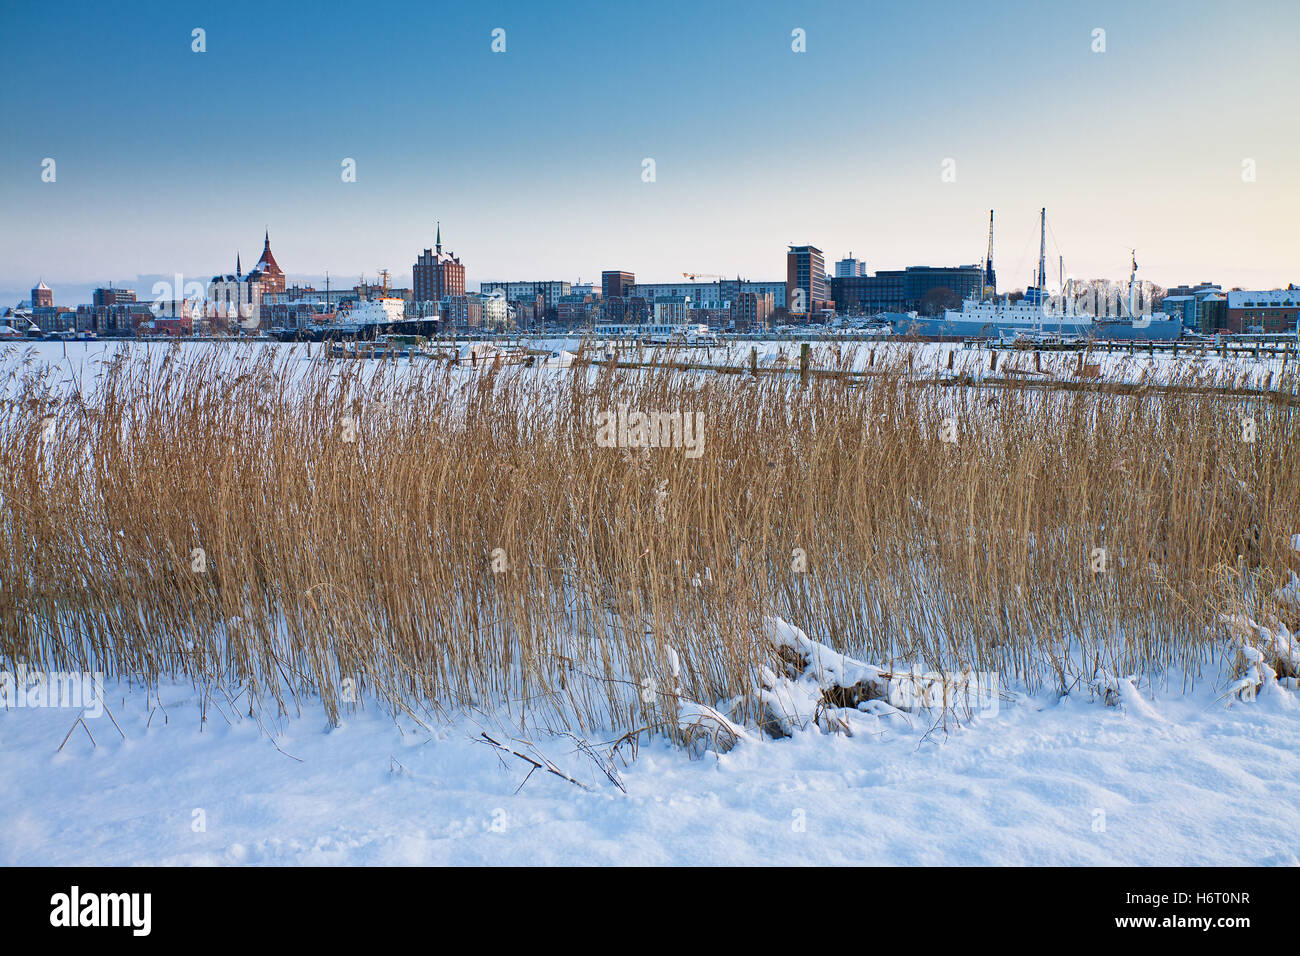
1041,317
382,311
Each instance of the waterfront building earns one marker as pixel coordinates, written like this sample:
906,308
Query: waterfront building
1270,310
904,290
806,291
437,275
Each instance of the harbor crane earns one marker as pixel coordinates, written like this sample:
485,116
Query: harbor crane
696,276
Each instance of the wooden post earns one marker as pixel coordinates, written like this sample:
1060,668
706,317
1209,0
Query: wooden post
1079,369
1038,361
950,355
993,360
804,352
753,361
1174,349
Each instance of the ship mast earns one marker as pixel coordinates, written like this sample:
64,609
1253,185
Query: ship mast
989,285
1132,287
1042,253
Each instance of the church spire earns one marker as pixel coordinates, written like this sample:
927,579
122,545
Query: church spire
439,241
238,269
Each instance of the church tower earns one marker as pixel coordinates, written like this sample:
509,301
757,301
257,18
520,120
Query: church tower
272,274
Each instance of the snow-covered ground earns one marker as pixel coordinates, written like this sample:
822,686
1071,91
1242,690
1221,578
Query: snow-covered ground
1169,776
78,363
1168,779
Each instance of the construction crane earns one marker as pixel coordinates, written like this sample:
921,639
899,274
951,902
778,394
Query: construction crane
696,276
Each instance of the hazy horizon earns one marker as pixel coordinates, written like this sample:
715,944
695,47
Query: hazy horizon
170,161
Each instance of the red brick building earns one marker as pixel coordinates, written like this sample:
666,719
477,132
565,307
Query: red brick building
267,270
751,310
437,275
1273,310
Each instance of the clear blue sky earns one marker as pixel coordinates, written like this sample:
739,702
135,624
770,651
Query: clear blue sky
171,161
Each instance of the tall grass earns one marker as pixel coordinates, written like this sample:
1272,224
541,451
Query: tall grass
350,515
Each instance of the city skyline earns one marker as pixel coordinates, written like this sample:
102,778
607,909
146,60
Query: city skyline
891,135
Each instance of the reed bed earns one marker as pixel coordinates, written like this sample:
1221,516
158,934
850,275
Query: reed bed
442,537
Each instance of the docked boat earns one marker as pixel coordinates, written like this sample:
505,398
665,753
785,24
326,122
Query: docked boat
1040,316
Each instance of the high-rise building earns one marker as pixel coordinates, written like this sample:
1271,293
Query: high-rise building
805,280
111,296
42,296
616,284
437,275
850,267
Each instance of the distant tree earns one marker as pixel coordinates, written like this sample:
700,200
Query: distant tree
938,299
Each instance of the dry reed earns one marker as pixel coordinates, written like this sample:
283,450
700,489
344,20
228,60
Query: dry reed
350,514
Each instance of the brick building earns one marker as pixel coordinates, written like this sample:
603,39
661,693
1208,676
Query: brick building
805,280
1273,310
616,284
751,311
437,275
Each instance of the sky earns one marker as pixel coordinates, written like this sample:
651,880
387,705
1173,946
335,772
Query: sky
891,136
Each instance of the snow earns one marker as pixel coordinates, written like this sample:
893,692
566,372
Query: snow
77,363
1123,770
1180,779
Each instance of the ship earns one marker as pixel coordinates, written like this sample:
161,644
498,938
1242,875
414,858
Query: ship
1042,317
365,320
